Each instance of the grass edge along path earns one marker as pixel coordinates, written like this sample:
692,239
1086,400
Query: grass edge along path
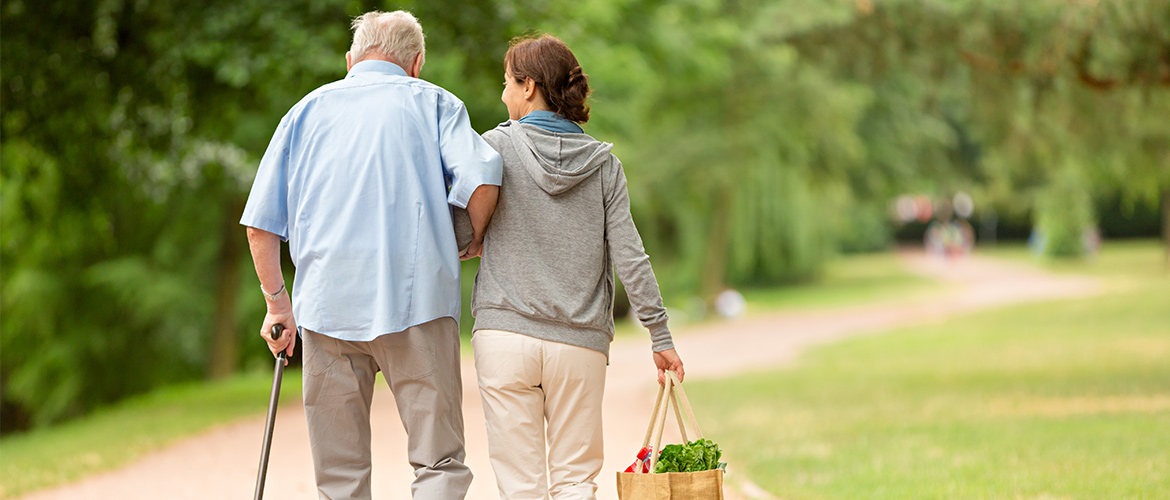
127,431
1062,399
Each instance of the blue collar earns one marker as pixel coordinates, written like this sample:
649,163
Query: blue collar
551,122
376,66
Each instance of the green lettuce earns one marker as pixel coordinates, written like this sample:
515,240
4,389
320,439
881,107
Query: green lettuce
695,456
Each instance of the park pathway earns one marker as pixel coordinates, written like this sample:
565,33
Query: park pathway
221,463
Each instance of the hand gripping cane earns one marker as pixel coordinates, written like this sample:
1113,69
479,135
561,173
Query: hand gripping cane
272,400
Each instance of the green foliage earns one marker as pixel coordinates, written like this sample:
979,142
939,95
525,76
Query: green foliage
720,166
759,138
1004,96
1064,217
695,456
865,228
131,134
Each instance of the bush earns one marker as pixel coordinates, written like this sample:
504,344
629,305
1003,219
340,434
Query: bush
1064,216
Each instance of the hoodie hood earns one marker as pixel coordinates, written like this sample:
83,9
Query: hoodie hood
557,162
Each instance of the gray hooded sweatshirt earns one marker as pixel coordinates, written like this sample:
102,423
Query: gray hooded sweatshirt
561,227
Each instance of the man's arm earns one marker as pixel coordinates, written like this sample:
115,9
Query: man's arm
480,207
265,247
475,169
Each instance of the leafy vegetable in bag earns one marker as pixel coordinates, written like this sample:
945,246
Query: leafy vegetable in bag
695,456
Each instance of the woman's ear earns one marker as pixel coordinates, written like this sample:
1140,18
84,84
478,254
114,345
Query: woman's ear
529,89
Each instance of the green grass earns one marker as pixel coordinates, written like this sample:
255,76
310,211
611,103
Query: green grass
127,431
1067,399
847,280
1119,260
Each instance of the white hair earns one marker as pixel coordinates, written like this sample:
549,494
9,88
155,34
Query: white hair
397,36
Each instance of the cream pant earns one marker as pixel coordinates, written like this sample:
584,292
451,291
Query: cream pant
421,365
530,388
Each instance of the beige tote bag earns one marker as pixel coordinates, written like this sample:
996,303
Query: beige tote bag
705,485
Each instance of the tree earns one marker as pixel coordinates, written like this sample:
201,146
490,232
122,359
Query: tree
1058,96
758,138
128,151
132,131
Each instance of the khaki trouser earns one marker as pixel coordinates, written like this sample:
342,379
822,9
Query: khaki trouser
525,384
421,365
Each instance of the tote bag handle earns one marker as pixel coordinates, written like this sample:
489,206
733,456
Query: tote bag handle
673,392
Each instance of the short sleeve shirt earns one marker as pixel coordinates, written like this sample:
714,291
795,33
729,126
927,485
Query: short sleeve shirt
359,179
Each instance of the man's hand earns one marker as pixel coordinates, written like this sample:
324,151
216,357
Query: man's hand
479,212
475,249
265,248
280,313
668,360
463,230
480,208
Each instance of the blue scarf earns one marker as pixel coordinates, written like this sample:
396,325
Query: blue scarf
551,122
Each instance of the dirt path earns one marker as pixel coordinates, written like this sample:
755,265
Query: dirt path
222,463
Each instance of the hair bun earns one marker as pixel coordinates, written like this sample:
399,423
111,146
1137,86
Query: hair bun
575,74
559,77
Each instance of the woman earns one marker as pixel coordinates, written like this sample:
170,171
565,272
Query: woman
543,297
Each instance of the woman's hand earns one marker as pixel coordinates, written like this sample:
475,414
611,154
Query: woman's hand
668,360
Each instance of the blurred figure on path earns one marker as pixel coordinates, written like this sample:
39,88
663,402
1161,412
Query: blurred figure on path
544,295
950,239
355,179
950,236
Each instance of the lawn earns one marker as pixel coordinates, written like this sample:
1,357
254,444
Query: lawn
1067,399
869,278
127,431
872,278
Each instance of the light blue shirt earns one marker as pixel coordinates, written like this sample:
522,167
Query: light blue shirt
355,179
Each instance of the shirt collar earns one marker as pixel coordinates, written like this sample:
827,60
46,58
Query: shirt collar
376,66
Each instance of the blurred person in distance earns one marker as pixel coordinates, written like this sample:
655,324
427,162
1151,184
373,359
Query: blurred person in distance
730,304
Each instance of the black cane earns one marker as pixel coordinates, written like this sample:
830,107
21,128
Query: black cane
272,400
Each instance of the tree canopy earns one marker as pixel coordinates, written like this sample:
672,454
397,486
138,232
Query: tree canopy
759,138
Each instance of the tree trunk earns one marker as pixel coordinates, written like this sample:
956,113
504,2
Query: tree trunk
225,343
1166,222
715,269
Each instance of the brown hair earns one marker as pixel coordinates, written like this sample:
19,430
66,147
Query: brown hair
549,62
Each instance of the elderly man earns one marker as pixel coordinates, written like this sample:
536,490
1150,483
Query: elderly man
360,178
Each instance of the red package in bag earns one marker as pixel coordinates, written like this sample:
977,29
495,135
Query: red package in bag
643,461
